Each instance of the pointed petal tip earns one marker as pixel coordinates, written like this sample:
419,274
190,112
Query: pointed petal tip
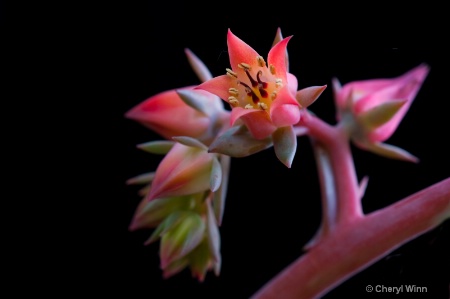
129,114
133,226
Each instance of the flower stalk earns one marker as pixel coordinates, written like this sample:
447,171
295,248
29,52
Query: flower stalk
367,240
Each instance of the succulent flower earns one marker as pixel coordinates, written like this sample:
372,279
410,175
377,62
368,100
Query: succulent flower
373,109
263,95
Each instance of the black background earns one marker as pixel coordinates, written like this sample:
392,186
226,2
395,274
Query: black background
107,58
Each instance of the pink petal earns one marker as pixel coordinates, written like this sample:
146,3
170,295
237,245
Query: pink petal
285,115
277,57
292,83
218,86
184,170
240,52
285,110
257,121
167,115
238,112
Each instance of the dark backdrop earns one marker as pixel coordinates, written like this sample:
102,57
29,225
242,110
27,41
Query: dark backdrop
125,52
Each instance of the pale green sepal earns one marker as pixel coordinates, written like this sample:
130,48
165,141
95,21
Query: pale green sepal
216,175
336,86
166,225
213,234
160,147
285,144
200,261
390,151
277,39
380,114
217,266
151,213
182,238
306,96
363,186
175,267
141,179
238,142
198,66
155,235
144,191
220,195
189,141
195,100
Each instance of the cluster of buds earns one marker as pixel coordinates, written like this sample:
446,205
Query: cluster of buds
183,199
183,203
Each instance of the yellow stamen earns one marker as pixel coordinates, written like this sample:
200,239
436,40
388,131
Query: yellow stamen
278,82
233,91
272,69
261,61
263,106
233,101
231,73
273,95
244,66
248,106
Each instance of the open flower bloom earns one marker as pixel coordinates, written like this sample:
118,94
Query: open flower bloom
373,109
261,94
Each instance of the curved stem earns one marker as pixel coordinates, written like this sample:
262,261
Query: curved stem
328,194
354,246
336,147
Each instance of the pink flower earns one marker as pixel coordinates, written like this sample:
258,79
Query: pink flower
168,115
373,109
262,95
185,170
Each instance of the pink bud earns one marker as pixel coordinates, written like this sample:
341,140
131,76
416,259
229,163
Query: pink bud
184,170
168,115
373,109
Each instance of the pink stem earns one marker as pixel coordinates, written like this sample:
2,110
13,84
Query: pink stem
334,141
355,246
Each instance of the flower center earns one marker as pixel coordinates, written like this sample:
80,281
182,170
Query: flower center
257,88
